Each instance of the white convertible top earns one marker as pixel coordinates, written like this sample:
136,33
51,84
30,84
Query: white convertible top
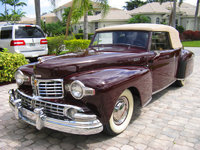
174,34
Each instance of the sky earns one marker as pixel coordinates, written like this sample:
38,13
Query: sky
47,7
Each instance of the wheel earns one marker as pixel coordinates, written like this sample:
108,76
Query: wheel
180,83
121,114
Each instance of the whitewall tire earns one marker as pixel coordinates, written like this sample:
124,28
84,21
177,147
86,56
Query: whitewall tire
122,114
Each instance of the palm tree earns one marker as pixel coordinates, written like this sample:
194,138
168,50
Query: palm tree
83,6
172,20
17,3
37,12
196,16
16,15
5,2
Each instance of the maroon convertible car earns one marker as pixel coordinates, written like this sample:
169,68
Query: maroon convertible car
96,89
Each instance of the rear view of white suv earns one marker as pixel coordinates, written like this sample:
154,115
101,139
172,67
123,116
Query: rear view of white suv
26,39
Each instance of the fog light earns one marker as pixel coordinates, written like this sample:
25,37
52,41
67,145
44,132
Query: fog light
69,112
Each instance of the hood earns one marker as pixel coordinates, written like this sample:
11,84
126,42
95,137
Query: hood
64,65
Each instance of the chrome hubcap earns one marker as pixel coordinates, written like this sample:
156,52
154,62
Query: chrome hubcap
121,110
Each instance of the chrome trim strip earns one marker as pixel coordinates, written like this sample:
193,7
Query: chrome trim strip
180,79
163,88
147,102
37,98
89,124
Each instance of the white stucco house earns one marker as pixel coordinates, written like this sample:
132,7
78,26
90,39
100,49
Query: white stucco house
158,13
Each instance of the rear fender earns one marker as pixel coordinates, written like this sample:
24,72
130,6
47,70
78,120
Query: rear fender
185,65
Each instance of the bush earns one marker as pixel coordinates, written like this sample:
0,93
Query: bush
80,31
190,35
9,62
80,35
180,29
139,19
54,29
75,45
55,44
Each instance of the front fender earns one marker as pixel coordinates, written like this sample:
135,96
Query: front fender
109,83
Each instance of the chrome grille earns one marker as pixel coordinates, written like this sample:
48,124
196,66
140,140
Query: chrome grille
50,109
48,89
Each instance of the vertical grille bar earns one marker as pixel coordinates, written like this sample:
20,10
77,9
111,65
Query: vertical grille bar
48,89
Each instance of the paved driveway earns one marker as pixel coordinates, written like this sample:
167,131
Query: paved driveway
170,121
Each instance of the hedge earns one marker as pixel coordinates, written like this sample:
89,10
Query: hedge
54,44
9,62
190,35
75,45
80,35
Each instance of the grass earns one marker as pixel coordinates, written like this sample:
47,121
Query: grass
191,44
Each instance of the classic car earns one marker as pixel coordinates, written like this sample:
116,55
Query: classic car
96,89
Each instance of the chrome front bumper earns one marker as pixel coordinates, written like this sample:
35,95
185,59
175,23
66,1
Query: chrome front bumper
86,124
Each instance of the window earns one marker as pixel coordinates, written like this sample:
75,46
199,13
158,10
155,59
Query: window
132,38
149,19
176,22
28,32
160,41
96,25
6,33
158,20
97,12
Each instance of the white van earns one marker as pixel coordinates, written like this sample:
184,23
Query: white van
26,39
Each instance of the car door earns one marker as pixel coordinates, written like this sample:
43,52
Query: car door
164,62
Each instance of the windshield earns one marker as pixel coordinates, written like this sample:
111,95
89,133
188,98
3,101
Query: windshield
133,38
28,32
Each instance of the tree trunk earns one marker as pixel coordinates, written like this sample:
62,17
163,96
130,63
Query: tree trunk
37,12
68,21
6,15
196,16
85,31
174,14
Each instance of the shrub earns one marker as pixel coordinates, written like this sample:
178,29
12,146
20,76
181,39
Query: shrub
191,35
80,31
9,62
75,45
55,44
80,35
196,35
180,29
139,19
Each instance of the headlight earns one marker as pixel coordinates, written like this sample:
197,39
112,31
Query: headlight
78,90
20,77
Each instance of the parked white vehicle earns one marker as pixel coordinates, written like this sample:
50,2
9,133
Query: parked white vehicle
23,38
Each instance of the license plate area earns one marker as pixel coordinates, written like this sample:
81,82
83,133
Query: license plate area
32,44
28,114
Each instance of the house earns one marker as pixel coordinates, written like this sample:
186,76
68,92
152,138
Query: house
49,18
113,17
160,13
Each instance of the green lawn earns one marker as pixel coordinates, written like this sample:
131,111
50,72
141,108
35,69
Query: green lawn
191,44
